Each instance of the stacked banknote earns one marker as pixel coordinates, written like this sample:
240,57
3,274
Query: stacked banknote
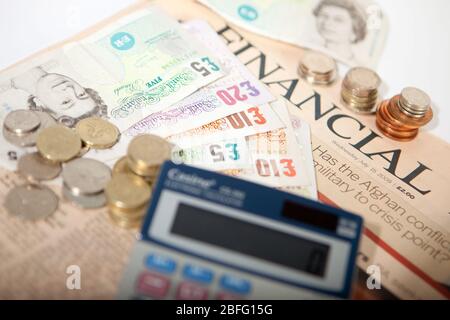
147,75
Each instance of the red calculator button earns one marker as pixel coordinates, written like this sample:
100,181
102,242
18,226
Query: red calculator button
190,291
153,285
227,296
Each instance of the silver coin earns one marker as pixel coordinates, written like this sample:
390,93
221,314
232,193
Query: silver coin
86,176
415,100
85,202
22,122
29,140
31,202
361,82
32,166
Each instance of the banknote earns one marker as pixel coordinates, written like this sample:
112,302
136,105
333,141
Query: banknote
236,92
352,31
227,154
251,121
302,133
139,64
277,160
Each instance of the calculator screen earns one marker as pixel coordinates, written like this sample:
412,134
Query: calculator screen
251,239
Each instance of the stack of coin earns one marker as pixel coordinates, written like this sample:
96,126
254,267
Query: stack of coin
360,90
22,127
401,117
127,197
31,202
84,182
317,68
121,166
145,155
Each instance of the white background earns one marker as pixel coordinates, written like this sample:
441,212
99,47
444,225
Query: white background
417,51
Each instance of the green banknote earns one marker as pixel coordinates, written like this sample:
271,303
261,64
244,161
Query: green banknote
137,65
133,66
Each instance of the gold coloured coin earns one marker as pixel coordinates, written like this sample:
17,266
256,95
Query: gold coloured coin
58,144
126,222
127,191
146,153
97,133
121,166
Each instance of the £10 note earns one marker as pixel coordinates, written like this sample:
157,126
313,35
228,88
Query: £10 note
250,121
279,160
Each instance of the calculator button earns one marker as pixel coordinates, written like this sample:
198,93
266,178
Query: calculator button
228,296
197,273
234,284
160,263
190,291
153,285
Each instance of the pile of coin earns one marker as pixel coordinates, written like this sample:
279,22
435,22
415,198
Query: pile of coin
59,149
146,154
360,90
129,191
401,117
84,182
317,68
22,127
128,197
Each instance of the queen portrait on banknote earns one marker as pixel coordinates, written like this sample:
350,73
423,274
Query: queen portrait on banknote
341,24
60,96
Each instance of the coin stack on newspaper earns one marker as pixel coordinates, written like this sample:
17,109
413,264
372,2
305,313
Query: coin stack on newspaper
318,68
186,97
360,90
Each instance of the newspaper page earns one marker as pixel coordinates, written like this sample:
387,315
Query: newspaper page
41,260
400,189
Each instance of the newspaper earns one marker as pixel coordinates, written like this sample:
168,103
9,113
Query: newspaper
37,259
400,189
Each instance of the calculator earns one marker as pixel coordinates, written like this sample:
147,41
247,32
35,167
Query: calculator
211,236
